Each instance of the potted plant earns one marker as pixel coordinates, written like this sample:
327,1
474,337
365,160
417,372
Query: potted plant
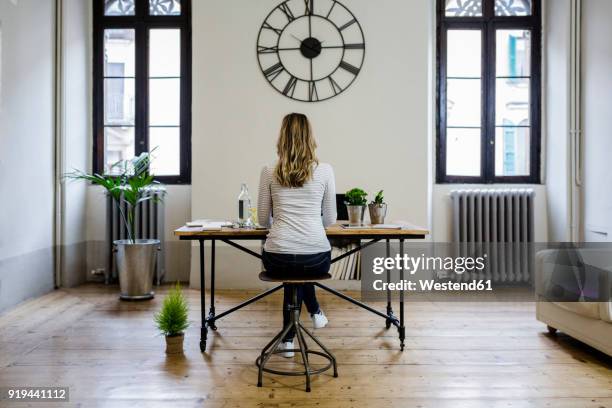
355,205
378,209
136,258
172,320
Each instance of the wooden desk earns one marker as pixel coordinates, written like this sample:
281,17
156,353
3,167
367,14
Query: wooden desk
229,235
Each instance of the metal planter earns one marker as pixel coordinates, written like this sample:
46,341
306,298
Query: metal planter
355,214
378,212
136,266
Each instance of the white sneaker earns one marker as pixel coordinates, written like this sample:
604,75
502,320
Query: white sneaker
287,345
319,320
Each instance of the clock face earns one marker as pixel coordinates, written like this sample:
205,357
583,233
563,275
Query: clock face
310,50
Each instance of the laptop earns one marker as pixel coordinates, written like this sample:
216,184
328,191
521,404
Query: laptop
341,208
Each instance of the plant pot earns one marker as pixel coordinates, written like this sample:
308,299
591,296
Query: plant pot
136,266
378,212
355,214
174,344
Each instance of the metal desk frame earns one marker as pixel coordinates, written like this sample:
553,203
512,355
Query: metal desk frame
211,320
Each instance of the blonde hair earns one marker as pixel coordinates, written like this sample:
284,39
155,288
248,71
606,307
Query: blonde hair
296,151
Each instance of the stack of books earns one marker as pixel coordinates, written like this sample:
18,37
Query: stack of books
348,268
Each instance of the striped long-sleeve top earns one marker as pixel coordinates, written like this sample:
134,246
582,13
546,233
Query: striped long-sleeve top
297,217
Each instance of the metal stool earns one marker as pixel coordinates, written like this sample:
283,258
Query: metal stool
294,309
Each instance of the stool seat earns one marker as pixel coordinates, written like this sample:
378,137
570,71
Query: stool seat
265,276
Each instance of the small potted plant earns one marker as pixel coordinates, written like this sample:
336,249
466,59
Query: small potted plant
172,320
378,209
355,206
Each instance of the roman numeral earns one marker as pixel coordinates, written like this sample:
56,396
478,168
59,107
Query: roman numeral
309,6
331,9
350,68
267,50
350,23
267,26
354,46
290,87
287,10
313,94
274,71
334,85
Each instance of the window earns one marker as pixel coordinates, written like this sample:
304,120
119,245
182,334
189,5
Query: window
142,85
488,100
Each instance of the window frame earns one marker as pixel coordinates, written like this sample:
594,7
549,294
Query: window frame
488,23
141,22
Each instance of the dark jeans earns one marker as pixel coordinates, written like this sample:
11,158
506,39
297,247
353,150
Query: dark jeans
288,265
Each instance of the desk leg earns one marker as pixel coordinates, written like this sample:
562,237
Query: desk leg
203,329
401,329
389,308
211,312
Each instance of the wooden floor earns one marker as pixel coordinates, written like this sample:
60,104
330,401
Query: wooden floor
457,355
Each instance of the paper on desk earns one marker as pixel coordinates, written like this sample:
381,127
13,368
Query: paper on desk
372,226
208,224
386,226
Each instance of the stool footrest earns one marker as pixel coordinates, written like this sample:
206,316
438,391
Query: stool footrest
297,373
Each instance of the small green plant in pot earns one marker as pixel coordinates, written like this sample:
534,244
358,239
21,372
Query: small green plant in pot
378,209
355,205
173,319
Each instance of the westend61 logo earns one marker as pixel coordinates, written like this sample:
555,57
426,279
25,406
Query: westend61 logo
413,265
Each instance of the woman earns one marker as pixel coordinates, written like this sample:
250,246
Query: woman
297,200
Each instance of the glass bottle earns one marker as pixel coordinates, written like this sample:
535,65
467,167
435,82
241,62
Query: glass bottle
244,204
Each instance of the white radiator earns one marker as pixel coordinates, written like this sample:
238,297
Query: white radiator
498,223
149,225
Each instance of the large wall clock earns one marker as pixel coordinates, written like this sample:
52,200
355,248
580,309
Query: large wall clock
310,50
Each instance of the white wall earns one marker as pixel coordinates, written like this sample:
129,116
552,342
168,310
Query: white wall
26,149
597,134
76,135
556,116
375,134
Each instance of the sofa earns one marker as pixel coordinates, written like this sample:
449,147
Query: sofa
569,307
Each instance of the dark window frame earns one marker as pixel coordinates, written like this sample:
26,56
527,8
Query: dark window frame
142,22
488,23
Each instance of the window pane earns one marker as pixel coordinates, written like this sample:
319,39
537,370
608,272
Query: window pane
164,7
119,7
164,102
118,145
463,152
463,53
512,7
118,101
463,8
165,53
167,153
119,53
463,105
513,48
512,102
512,151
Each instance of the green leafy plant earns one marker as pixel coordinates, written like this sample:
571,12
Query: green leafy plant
127,183
172,319
379,199
356,196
